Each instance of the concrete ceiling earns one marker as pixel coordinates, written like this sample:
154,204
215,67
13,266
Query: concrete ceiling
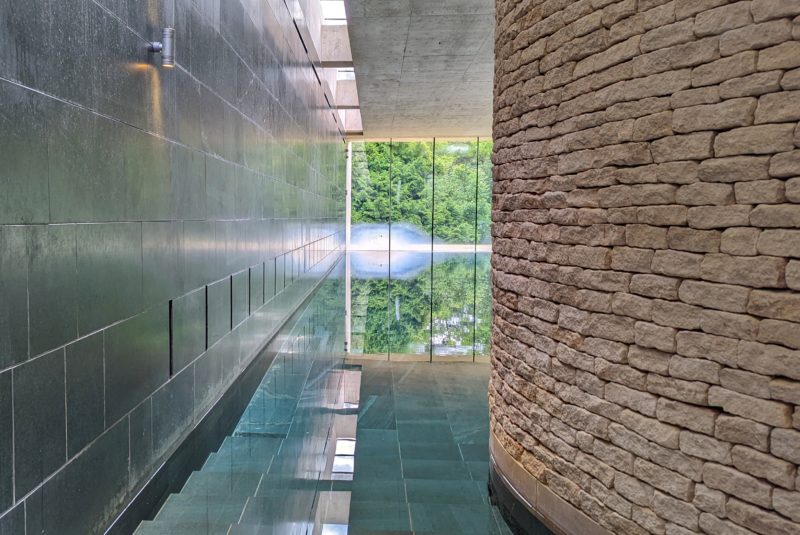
423,67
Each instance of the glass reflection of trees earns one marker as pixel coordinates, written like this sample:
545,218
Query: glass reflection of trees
395,179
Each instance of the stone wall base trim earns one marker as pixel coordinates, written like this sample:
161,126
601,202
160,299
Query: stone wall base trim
553,511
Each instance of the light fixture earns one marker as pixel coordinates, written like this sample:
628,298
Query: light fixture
166,47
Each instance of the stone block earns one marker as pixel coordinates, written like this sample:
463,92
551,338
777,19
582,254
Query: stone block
646,236
760,139
745,382
697,146
632,305
714,525
678,511
785,164
698,419
785,444
769,412
755,36
647,359
759,520
692,240
754,84
723,69
655,286
663,434
783,56
713,295
690,391
637,400
705,193
691,369
710,217
742,431
677,315
775,304
655,336
772,9
776,215
734,169
722,116
665,480
778,107
787,503
760,192
735,483
764,466
633,490
785,390
756,272
700,345
677,263
721,19
709,500
631,259
705,447
740,241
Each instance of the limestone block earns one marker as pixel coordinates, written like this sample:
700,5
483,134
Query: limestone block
742,431
665,480
785,444
740,241
759,520
764,466
735,483
709,217
769,412
760,139
705,447
713,295
760,191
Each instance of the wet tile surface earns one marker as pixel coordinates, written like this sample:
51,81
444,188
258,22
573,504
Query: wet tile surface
420,460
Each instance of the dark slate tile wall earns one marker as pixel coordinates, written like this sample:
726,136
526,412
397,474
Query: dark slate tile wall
156,226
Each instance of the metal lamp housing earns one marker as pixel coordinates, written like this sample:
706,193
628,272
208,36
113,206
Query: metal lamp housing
166,47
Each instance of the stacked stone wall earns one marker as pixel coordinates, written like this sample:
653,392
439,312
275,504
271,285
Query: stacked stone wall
646,341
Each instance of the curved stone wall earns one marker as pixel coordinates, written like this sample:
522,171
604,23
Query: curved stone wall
646,360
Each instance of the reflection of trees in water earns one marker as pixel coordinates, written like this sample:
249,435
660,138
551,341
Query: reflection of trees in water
452,306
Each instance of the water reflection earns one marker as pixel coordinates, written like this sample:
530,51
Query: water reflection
420,306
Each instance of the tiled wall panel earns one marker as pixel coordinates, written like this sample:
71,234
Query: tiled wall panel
129,191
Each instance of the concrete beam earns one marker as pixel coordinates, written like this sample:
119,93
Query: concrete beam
346,94
336,47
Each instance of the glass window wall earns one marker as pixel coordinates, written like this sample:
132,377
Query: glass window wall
419,251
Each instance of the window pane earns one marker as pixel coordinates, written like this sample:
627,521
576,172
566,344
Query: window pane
371,201
485,191
454,192
410,306
453,306
411,195
369,294
483,305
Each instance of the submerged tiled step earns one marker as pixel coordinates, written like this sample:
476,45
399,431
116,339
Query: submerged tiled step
162,527
222,484
187,508
243,454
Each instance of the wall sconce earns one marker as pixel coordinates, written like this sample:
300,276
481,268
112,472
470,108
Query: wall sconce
166,47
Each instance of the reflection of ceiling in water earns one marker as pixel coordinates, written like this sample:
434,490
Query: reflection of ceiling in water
404,264
382,237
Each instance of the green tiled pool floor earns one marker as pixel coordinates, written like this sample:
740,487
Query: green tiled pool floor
420,461
421,465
